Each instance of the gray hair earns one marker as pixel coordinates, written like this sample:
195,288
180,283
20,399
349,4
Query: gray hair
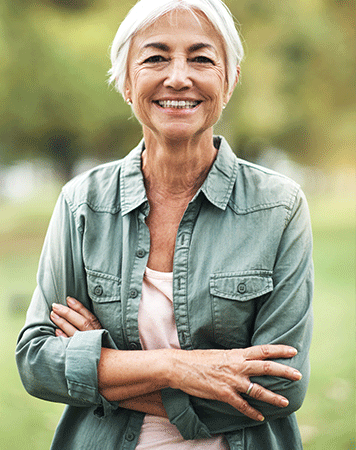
145,12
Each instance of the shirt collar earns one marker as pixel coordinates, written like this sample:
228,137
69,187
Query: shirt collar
133,192
220,181
217,187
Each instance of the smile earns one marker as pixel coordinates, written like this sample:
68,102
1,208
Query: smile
180,104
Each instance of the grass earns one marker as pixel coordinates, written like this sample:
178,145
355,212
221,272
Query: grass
327,418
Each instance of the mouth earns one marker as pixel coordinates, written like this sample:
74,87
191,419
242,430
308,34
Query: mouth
178,104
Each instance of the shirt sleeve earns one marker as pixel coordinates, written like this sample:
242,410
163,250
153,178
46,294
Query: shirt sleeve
55,368
284,317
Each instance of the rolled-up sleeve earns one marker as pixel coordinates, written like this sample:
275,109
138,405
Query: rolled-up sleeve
55,368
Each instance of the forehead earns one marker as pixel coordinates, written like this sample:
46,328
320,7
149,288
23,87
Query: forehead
183,27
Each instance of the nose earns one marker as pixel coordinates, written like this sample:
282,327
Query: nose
178,75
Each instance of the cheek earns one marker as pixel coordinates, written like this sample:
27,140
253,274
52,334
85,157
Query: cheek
137,81
218,84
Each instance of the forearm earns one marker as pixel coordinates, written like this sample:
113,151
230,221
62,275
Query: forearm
128,374
147,403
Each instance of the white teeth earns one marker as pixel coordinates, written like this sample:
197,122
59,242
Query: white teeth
177,104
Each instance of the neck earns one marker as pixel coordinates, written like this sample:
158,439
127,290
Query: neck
175,170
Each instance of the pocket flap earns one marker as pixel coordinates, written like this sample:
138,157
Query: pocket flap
103,287
241,286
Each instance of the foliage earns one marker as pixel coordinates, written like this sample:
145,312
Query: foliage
56,100
295,92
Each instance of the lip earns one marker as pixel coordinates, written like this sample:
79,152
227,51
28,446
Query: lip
177,99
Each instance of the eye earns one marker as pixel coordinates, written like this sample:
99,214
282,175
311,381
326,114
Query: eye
154,59
203,60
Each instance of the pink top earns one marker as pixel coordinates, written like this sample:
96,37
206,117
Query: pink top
157,329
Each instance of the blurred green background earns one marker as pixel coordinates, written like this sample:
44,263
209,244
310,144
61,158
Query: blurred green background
294,111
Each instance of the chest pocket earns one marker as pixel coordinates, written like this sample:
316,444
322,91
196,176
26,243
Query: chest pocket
234,305
105,293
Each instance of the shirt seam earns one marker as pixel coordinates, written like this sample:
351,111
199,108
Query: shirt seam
86,386
293,199
256,208
95,208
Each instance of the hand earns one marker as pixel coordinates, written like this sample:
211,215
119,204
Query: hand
72,318
225,374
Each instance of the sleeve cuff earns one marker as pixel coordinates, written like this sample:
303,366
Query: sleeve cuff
81,368
181,414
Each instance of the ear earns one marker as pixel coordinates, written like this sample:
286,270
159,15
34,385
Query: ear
127,91
229,94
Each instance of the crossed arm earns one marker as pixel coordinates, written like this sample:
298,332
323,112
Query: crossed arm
136,378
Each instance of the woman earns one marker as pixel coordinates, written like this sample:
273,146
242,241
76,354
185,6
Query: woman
181,250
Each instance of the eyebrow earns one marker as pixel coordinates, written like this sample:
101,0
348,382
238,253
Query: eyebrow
164,47
157,45
199,46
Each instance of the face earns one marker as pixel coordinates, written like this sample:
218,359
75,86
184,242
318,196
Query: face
177,76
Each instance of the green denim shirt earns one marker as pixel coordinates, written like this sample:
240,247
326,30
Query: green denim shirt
242,276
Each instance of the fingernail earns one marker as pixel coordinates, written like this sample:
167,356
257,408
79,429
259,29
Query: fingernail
70,301
297,375
260,418
54,315
293,351
284,402
56,306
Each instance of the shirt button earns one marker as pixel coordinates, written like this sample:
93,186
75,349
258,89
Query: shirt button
140,253
130,436
133,346
99,411
98,290
241,288
133,293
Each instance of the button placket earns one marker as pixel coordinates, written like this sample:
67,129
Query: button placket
180,269
134,290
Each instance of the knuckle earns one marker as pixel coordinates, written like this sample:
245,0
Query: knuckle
265,350
267,368
87,325
96,324
226,394
244,406
91,324
258,392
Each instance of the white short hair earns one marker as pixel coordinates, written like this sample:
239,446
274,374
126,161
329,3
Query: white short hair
145,12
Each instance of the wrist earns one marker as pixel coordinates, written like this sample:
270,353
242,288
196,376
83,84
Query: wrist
170,368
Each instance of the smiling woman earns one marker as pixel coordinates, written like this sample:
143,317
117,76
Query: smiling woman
178,60
188,271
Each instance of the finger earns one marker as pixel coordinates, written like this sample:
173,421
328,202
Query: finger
269,351
260,368
63,324
74,318
260,393
244,407
92,322
59,333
